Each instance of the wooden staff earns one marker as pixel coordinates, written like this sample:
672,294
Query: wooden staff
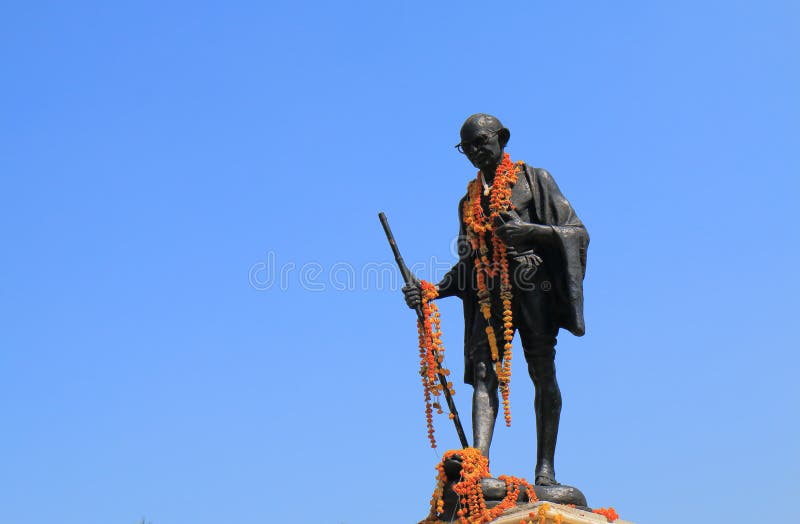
408,278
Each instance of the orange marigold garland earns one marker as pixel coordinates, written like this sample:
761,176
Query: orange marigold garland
609,513
431,356
473,510
540,516
478,226
472,504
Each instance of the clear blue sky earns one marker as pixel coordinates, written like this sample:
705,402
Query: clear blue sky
159,158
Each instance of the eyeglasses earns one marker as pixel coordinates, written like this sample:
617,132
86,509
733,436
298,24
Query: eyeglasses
477,143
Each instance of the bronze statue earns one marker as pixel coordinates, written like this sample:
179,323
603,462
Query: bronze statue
545,246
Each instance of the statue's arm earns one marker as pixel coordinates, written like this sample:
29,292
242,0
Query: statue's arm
557,214
449,285
454,281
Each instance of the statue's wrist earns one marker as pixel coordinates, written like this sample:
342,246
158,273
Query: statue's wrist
444,289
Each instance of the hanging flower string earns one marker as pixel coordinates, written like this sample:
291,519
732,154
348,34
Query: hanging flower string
473,510
478,226
431,356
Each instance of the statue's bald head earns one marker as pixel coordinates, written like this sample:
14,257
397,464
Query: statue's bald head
481,123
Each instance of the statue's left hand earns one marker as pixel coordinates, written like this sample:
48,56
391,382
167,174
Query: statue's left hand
515,232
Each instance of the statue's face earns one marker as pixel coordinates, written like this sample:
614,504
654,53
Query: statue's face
482,146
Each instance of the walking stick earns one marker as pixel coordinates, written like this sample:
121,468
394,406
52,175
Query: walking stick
408,279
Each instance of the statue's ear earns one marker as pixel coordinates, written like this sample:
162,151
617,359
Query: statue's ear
504,134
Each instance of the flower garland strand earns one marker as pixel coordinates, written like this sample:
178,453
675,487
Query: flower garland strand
431,356
478,225
473,510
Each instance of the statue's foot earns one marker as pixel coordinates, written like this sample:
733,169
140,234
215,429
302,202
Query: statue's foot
452,468
545,476
545,480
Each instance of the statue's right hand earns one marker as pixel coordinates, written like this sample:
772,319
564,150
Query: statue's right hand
413,294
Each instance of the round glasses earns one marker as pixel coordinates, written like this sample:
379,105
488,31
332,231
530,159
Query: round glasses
477,143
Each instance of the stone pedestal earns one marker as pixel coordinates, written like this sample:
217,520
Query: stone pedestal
567,514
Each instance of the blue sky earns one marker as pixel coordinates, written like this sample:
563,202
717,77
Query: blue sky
160,159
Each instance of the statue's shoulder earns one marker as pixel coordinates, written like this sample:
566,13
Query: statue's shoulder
540,177
531,173
537,171
465,198
461,202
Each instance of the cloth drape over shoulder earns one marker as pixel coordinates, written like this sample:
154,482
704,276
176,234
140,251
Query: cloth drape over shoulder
548,206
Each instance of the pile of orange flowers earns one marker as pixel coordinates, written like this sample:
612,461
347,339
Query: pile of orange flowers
609,513
473,510
431,356
540,516
478,227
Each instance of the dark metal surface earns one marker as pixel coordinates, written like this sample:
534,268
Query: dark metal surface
547,243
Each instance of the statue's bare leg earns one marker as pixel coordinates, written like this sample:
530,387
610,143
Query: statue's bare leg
547,405
485,403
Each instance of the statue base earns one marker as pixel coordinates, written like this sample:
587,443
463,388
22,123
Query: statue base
553,513
494,491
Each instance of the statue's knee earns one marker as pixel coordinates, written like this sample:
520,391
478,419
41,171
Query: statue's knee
485,375
480,371
542,369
